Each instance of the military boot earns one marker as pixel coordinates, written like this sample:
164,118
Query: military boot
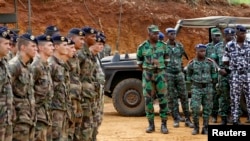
176,122
205,127
223,120
196,128
248,120
164,129
181,119
214,118
188,123
151,126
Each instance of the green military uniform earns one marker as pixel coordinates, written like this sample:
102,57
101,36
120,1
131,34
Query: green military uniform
176,83
75,96
24,99
87,65
154,85
43,96
202,75
60,100
6,102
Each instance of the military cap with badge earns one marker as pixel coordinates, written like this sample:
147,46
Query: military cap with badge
241,28
153,28
44,38
77,31
229,30
100,38
89,30
51,30
28,37
59,38
4,34
71,42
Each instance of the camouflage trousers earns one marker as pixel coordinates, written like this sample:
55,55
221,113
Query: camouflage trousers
23,132
154,86
86,130
75,125
238,86
216,105
202,95
98,114
6,133
224,97
41,131
177,89
59,125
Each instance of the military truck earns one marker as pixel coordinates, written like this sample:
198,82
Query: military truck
123,76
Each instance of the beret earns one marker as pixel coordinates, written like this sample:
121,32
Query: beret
229,30
198,46
89,30
42,38
161,35
59,38
71,42
14,39
241,28
4,34
100,38
76,31
28,37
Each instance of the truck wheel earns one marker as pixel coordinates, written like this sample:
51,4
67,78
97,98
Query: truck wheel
128,99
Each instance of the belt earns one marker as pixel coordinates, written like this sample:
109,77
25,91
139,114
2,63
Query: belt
155,70
201,85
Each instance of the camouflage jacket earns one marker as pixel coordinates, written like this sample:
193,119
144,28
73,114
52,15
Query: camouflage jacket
42,88
202,71
61,82
22,86
87,67
175,55
6,95
74,73
212,51
152,57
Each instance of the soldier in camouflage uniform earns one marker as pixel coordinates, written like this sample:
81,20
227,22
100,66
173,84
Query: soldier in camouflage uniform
223,78
42,86
24,128
211,52
87,67
237,57
201,72
152,59
99,80
61,81
6,95
13,48
175,79
76,35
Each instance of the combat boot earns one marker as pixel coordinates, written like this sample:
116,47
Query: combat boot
196,128
188,123
248,120
181,119
205,127
164,129
151,126
223,120
176,122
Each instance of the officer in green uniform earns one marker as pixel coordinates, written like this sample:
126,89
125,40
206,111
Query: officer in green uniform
42,86
211,52
6,95
22,84
152,59
201,72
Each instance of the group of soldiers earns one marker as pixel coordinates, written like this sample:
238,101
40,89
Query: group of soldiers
218,74
51,85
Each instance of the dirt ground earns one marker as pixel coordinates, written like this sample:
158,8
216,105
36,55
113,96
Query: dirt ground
117,128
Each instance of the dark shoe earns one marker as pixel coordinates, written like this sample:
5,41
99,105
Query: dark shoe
196,129
188,123
181,119
214,119
176,123
229,119
151,126
248,120
205,127
164,129
223,121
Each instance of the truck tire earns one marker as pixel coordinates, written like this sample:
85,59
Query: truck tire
128,99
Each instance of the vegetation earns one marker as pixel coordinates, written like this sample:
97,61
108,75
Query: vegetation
236,2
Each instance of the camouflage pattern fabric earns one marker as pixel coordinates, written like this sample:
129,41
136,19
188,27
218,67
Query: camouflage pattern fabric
175,80
43,96
239,77
88,65
75,96
153,77
60,101
202,75
22,85
6,102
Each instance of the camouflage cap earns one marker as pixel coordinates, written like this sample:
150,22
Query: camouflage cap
215,31
153,28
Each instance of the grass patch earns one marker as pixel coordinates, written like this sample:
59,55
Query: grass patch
237,2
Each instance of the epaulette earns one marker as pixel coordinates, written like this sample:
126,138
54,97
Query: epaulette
142,44
163,42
